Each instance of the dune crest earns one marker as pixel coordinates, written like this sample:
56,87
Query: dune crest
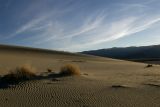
101,82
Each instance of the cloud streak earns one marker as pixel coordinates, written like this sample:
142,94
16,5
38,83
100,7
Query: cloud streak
118,30
74,28
90,24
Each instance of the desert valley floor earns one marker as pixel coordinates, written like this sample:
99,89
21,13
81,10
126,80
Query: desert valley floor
103,82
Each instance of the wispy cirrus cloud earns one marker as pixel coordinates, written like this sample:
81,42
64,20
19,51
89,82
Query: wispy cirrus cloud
117,30
77,27
38,23
41,20
59,31
27,27
92,31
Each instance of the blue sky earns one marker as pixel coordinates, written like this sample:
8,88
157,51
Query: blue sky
79,25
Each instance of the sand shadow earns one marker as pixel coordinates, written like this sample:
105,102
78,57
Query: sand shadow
6,82
80,61
118,87
153,85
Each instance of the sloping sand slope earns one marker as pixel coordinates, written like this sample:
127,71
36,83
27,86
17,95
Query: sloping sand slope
103,83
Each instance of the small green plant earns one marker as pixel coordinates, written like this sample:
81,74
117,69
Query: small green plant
70,69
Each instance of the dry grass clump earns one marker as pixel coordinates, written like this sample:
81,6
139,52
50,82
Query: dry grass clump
24,72
70,69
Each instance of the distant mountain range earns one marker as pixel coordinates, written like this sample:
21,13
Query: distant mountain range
129,53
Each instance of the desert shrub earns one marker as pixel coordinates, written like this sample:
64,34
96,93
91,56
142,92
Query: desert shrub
24,72
49,70
149,65
70,69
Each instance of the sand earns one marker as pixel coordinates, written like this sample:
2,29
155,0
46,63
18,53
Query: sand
103,82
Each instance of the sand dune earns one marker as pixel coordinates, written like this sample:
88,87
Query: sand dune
103,82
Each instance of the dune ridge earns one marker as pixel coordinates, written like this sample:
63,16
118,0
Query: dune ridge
102,82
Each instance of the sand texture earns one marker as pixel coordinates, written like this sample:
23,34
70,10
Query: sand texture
103,82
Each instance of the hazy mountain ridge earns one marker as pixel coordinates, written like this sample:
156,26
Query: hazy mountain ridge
129,53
